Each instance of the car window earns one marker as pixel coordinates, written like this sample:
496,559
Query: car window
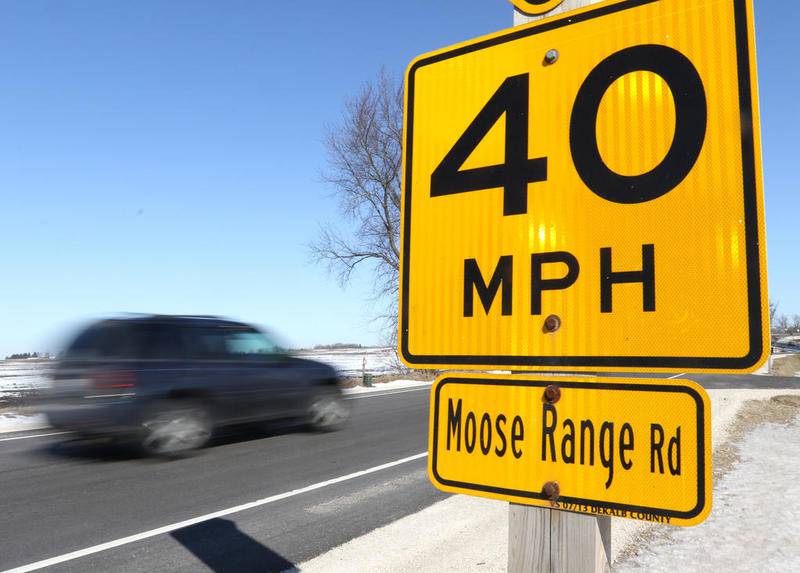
85,344
205,343
161,341
250,344
104,341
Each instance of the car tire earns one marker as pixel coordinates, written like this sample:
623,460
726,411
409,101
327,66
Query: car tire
327,411
175,427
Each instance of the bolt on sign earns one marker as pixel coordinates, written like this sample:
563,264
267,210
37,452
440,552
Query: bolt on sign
584,193
535,7
586,445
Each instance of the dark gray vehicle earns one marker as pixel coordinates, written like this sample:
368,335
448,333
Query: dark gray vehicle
166,382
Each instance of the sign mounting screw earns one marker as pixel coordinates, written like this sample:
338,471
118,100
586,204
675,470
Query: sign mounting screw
552,394
552,323
552,490
551,57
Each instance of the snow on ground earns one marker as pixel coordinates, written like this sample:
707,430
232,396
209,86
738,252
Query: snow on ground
393,385
764,369
755,523
21,375
17,378
478,528
13,422
725,405
351,361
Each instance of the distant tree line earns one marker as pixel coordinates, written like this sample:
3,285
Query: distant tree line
26,355
781,324
337,346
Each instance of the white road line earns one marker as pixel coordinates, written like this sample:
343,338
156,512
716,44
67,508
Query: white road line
676,376
385,393
33,436
195,520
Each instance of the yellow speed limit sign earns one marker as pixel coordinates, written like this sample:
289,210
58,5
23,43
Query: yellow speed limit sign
585,193
639,449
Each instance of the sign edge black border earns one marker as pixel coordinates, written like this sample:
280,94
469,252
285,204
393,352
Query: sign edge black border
750,190
633,386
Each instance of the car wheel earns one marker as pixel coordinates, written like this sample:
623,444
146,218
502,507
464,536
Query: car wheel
175,427
327,411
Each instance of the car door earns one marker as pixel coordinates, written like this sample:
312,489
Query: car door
265,372
223,375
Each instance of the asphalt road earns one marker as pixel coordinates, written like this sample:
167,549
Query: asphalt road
253,501
59,497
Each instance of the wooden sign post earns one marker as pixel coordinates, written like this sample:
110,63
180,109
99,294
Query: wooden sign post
548,540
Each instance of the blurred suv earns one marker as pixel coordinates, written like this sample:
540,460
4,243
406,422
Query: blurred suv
166,382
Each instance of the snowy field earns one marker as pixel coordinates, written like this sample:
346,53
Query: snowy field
19,377
349,362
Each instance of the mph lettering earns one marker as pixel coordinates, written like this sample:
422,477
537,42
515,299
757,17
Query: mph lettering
502,280
561,439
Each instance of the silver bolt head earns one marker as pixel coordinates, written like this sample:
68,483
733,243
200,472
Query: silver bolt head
551,56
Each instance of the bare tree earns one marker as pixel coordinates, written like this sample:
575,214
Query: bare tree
773,310
794,327
781,325
364,162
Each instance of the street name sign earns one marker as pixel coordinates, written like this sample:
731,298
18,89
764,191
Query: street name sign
623,447
584,193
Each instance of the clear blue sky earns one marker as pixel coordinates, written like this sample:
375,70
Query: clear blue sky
166,156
